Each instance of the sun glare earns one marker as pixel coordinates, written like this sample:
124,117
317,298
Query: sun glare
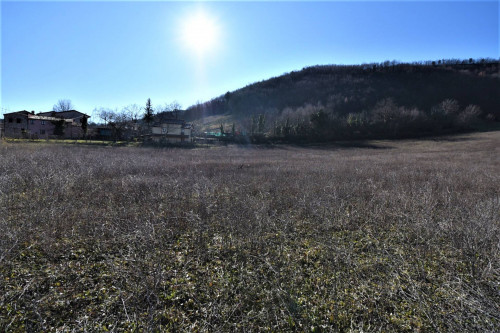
200,33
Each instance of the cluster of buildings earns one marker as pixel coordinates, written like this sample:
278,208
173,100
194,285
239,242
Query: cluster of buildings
26,124
73,124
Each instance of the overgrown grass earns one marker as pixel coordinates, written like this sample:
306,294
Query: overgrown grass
73,142
286,239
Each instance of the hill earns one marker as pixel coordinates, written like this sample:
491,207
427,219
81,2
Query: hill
387,99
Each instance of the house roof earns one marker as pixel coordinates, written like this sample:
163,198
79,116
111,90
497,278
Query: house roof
62,113
23,112
45,115
170,121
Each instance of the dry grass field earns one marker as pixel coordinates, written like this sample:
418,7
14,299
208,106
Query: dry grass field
379,236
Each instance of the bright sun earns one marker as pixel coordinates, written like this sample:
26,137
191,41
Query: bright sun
200,33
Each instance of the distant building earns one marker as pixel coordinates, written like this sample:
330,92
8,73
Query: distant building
105,133
171,131
25,124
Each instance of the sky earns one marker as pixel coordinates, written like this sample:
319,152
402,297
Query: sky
113,54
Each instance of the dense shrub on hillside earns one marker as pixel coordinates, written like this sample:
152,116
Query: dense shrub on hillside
394,237
385,120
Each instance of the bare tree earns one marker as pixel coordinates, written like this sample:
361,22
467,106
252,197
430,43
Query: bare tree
107,115
469,115
116,120
385,111
175,106
450,106
169,107
132,112
120,123
168,110
63,105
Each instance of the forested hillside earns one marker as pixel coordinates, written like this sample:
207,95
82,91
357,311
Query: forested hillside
387,99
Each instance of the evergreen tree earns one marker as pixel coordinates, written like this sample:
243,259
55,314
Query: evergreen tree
84,125
58,127
148,112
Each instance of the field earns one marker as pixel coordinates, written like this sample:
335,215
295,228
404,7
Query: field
367,236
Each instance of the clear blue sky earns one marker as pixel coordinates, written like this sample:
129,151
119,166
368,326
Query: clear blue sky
111,54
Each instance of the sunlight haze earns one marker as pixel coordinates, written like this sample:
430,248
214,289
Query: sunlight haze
200,33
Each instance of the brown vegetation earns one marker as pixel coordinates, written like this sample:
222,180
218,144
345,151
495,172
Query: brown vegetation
391,236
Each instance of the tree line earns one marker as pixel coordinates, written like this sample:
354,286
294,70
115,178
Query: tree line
388,99
135,118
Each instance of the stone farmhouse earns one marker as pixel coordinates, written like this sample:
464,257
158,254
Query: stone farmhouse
44,125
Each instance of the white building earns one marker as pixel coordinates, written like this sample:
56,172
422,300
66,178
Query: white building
172,131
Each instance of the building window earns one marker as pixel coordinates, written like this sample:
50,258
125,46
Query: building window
18,120
164,130
32,121
10,120
42,132
43,122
